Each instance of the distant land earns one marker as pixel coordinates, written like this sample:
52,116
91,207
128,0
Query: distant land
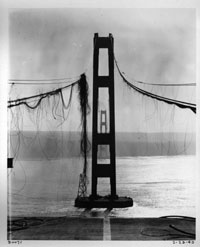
29,145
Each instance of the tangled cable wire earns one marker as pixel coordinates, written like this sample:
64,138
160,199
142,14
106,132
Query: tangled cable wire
23,101
26,222
83,92
85,145
178,234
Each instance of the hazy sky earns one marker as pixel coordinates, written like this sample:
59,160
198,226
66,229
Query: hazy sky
153,45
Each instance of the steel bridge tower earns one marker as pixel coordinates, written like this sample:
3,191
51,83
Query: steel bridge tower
107,82
103,121
108,137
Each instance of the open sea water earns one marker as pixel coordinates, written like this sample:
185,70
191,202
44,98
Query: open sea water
158,185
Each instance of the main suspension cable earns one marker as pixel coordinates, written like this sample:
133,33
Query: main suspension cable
178,103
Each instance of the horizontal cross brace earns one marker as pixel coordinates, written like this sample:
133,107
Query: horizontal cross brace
104,138
103,170
103,42
103,81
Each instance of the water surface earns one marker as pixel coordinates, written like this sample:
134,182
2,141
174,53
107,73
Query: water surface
159,185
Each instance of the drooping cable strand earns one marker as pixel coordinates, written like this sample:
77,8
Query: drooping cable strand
178,103
70,98
17,102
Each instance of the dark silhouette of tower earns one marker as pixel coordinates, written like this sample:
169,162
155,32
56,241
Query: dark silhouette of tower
103,121
106,138
103,170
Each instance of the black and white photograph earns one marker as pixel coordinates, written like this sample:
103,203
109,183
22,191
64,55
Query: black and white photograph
101,126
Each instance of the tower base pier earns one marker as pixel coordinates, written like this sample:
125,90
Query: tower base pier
103,202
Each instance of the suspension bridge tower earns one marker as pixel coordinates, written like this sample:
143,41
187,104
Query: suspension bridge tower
103,138
103,121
